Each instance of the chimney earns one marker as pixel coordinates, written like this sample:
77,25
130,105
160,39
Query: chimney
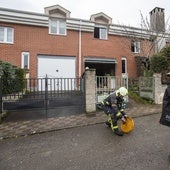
157,20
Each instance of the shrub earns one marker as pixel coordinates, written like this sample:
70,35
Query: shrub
12,78
158,63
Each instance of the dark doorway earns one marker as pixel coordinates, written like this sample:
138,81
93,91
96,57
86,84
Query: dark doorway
102,69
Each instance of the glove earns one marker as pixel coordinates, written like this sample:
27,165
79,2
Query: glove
123,119
124,116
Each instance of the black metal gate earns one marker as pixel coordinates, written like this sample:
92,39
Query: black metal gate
50,96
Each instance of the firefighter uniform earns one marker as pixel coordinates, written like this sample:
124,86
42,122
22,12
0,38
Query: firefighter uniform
113,106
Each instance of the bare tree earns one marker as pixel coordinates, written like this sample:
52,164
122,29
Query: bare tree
158,36
151,39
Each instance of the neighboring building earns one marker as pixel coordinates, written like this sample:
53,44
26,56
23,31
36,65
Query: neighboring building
56,45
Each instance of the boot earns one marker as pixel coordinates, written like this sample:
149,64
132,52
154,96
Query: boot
118,132
108,124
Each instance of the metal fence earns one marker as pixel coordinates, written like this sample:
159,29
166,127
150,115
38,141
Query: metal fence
40,93
107,84
146,87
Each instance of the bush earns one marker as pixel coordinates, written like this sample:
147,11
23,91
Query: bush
166,52
158,64
12,78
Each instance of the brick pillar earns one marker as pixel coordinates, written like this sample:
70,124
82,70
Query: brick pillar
90,90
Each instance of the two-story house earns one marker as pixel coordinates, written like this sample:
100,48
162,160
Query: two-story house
55,45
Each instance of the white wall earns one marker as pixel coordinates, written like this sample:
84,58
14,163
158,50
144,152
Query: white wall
159,89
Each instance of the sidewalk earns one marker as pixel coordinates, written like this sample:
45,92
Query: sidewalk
30,127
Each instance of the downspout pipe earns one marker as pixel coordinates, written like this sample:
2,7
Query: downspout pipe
79,49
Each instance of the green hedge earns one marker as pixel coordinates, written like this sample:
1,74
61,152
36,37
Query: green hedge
159,63
12,77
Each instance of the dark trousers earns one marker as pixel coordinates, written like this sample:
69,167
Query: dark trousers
113,116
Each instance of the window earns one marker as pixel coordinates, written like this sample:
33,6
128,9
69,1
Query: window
57,26
124,66
25,60
100,33
135,47
6,35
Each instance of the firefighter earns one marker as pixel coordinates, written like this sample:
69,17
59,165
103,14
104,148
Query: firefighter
114,106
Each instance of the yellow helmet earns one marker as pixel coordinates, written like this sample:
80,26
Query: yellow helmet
122,91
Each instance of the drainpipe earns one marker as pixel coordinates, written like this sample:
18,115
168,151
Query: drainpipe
79,49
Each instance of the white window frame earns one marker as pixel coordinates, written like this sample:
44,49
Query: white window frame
136,46
59,26
23,54
102,33
7,35
125,62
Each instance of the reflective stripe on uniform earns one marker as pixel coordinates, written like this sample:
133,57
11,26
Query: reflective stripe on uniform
102,102
107,102
114,127
111,123
109,119
118,114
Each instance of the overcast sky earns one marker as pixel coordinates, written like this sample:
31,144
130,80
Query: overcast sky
125,12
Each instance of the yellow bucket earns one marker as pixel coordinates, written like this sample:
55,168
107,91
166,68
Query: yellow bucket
127,126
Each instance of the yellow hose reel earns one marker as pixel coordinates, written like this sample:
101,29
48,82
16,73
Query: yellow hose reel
127,126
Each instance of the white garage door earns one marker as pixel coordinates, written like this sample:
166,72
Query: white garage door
56,67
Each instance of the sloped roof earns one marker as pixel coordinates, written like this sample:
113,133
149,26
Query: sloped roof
101,18
57,11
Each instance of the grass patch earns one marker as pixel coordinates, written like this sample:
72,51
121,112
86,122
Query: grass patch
139,99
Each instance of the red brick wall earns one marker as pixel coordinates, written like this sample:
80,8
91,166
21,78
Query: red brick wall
36,40
115,47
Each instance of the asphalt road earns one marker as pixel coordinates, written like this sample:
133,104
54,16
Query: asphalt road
91,148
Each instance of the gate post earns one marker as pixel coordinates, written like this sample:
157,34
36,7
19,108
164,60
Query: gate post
90,91
46,95
159,89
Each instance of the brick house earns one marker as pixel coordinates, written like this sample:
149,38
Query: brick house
56,45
